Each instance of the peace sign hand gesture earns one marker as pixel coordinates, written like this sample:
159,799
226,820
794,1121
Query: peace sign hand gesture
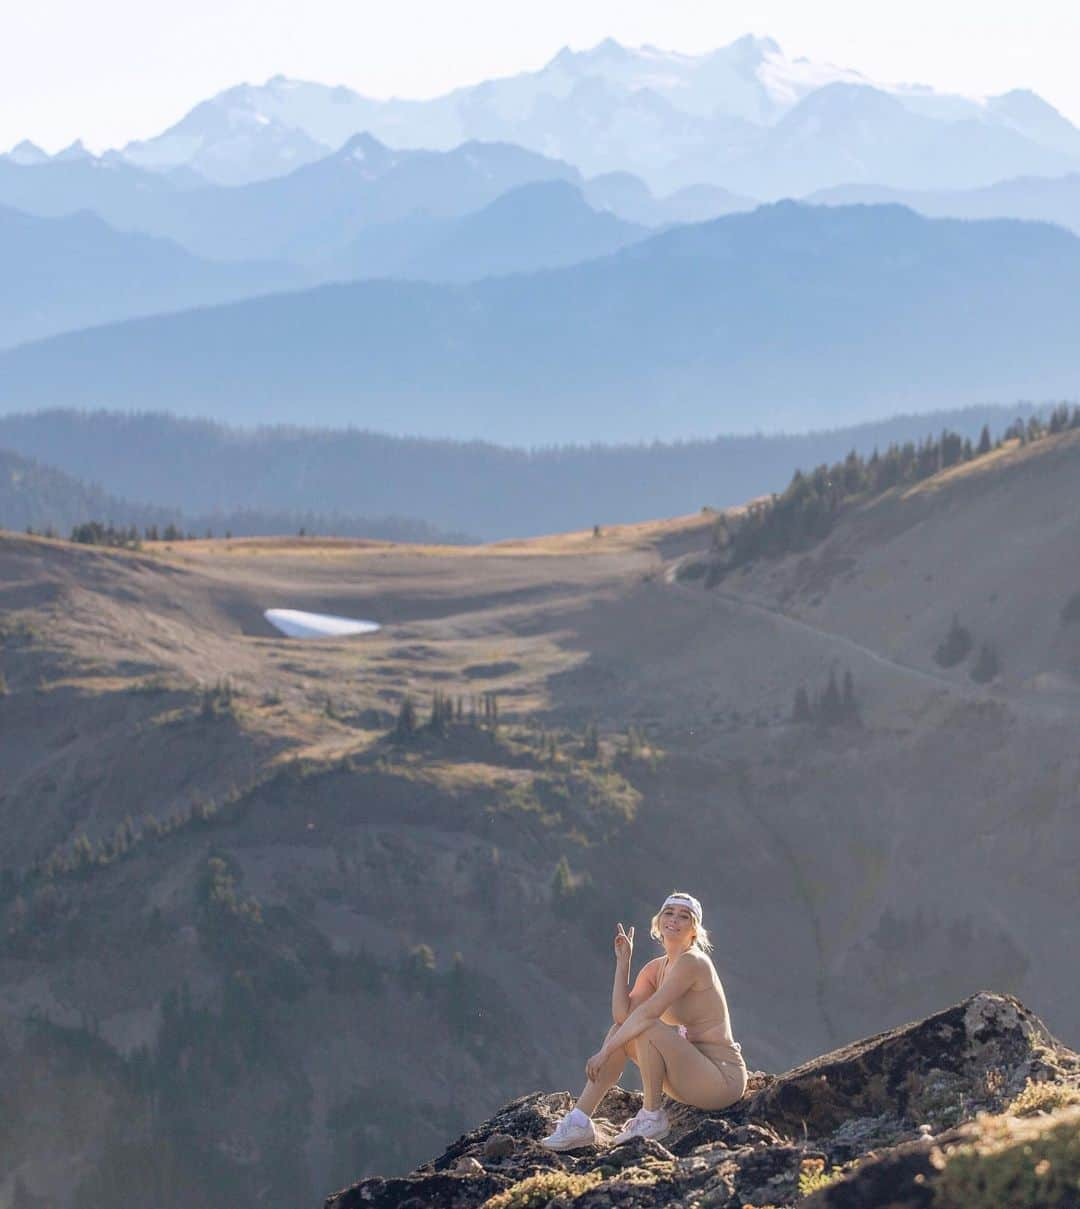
624,944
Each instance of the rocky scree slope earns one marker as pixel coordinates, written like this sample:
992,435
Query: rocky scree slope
928,1114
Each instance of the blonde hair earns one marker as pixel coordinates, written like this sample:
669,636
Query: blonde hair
701,936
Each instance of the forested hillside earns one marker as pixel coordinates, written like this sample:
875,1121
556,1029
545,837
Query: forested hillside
199,467
42,499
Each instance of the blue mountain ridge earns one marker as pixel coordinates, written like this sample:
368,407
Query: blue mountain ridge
791,317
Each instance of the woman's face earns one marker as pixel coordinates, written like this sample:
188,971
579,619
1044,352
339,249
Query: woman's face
677,926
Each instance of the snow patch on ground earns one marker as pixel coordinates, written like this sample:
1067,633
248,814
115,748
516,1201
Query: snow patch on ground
297,624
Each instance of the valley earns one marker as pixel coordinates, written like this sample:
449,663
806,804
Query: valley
244,895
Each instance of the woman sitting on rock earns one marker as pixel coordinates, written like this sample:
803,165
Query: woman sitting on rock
674,1024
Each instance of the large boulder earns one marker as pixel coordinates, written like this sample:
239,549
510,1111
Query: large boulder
867,1125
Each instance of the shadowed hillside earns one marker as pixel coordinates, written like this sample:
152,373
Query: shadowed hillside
238,871
66,273
42,499
790,317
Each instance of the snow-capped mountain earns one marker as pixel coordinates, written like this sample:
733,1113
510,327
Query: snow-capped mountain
853,133
673,119
744,118
231,140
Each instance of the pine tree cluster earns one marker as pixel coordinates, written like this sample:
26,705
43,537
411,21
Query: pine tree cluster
958,644
834,705
98,533
447,712
805,512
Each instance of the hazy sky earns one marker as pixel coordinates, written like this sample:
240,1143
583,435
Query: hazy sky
120,69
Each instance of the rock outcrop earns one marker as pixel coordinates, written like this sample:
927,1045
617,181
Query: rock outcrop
926,1114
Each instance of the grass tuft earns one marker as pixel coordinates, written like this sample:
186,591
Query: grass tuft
536,1191
1039,1098
1034,1163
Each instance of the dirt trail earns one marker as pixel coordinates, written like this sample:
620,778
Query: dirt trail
1053,707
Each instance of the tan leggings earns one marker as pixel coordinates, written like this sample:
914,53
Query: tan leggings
729,1062
707,1074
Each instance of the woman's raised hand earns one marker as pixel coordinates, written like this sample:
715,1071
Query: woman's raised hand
624,943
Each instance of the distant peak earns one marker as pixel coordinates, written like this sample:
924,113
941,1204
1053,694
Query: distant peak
753,46
1022,100
74,151
365,141
846,97
608,49
365,148
25,153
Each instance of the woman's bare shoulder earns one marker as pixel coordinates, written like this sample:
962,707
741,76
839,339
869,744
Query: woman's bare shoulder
694,959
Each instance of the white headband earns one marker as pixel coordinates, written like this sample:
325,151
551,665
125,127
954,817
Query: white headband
684,900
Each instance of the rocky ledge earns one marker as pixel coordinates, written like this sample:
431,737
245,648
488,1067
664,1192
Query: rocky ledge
975,1107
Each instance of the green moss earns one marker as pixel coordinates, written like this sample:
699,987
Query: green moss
813,1176
648,1172
1034,1163
537,1190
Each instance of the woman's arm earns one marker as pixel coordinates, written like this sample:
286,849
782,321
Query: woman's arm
620,993
644,986
680,978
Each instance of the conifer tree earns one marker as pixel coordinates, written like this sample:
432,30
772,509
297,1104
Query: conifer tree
590,742
955,647
831,707
458,1000
987,665
562,882
848,706
406,724
442,713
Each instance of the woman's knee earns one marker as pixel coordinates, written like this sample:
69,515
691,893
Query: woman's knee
623,1050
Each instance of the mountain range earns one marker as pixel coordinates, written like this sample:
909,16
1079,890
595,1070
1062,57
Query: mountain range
297,184
1039,199
264,193
93,244
744,116
77,271
304,215
542,225
790,317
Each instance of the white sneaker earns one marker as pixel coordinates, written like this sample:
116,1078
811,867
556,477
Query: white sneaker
568,1136
652,1126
